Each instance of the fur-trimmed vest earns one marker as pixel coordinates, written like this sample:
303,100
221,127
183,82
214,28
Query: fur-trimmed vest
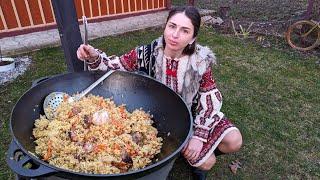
150,59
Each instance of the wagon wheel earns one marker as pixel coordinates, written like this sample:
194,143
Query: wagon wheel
303,35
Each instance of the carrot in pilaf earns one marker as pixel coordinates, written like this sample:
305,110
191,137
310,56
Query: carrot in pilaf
94,135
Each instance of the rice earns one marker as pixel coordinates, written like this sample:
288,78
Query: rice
125,142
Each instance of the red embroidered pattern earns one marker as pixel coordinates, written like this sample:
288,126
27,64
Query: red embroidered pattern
221,127
207,82
218,95
95,65
202,120
105,61
168,78
171,74
208,111
129,61
114,66
200,132
215,118
174,77
209,106
200,107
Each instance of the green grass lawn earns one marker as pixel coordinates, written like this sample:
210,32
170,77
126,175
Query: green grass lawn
271,94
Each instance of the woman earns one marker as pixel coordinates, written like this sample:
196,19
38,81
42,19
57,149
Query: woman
178,61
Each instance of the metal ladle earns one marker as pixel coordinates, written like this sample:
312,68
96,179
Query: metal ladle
54,99
85,39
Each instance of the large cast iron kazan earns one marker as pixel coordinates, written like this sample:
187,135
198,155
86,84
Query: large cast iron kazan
171,115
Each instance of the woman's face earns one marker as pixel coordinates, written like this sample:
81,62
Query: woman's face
178,32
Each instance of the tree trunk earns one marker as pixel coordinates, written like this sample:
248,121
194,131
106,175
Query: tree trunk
309,9
235,1
191,2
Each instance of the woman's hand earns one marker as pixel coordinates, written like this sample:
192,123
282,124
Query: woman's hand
87,52
192,150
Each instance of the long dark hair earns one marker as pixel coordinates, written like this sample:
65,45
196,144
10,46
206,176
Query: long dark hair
193,14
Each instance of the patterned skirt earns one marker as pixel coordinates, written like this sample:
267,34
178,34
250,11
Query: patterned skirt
214,139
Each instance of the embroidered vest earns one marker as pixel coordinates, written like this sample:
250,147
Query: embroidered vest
150,59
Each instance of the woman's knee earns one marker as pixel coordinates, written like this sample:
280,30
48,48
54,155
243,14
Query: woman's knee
236,142
208,164
233,141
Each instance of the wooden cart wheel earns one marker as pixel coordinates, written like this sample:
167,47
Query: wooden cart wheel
303,35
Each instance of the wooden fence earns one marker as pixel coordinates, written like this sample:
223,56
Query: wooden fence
24,16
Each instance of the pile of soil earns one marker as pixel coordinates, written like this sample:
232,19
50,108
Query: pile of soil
268,19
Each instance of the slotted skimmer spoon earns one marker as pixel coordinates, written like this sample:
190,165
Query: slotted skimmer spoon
54,99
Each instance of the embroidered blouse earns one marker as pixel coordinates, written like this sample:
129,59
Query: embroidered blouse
207,101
